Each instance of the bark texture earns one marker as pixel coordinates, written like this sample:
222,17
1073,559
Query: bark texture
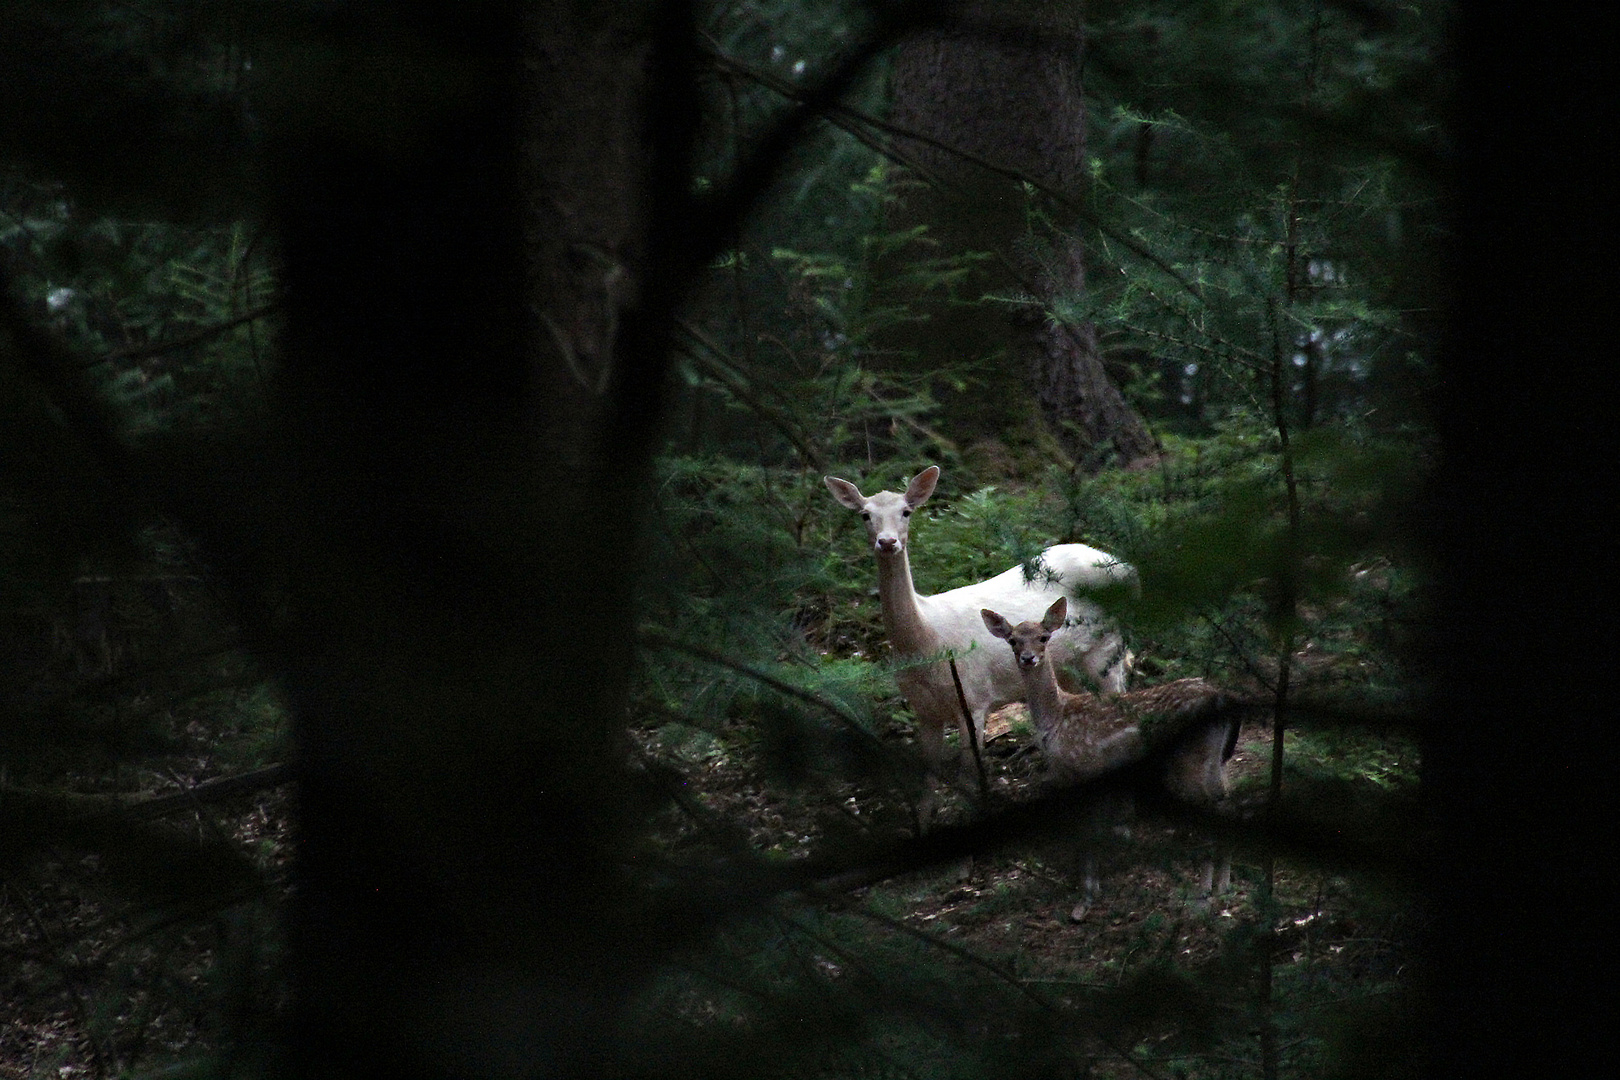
1001,85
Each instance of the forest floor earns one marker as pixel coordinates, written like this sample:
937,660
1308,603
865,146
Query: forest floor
94,984
68,953
1342,939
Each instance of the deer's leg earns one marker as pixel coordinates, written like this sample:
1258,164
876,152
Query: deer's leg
1217,876
1090,885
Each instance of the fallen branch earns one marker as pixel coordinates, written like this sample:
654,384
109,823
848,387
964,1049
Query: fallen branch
81,809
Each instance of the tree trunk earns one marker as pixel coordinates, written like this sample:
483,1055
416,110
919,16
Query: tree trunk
461,554
1002,85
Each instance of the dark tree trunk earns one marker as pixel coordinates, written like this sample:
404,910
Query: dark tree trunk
462,544
1092,420
429,536
1520,756
1002,85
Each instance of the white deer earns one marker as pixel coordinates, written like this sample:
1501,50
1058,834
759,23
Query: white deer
1087,735
922,629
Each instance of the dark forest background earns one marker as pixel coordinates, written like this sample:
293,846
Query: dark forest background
427,649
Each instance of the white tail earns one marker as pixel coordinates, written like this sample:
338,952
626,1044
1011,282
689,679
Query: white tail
928,626
1086,735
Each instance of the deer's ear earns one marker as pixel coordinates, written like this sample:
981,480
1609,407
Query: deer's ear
1056,614
922,486
845,492
994,623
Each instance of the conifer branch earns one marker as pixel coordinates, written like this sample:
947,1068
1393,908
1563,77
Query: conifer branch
852,120
200,337
758,167
658,639
708,357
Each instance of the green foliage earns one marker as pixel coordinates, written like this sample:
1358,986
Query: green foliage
786,365
1357,783
1261,306
1241,228
1241,291
120,671
172,313
975,537
1260,319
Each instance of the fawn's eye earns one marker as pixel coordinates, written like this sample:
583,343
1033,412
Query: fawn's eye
865,516
905,513
1045,638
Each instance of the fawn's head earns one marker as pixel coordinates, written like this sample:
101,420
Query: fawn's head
887,514
1028,639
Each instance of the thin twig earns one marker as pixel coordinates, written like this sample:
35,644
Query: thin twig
973,738
709,358
754,173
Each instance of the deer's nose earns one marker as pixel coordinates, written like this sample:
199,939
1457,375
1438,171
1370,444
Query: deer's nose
888,543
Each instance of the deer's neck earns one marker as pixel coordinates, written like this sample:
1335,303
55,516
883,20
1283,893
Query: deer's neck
1046,698
908,631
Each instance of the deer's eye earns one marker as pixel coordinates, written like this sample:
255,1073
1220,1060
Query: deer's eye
1045,638
865,516
905,513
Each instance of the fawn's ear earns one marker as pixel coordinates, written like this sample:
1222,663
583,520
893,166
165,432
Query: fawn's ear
1056,614
922,486
995,623
845,492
